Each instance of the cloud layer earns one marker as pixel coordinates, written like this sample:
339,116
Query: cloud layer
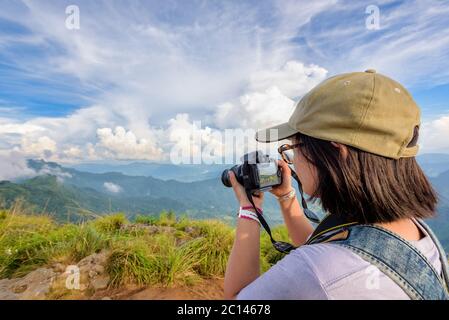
136,78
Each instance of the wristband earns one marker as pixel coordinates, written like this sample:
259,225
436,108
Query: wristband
246,214
252,208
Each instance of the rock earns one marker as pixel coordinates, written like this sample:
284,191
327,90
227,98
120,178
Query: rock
34,286
151,229
37,284
20,288
163,229
92,273
59,267
106,298
192,231
99,268
94,259
100,283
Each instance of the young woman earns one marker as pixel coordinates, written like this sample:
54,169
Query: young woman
352,142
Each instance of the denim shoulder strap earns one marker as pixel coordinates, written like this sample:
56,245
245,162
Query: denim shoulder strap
398,259
443,257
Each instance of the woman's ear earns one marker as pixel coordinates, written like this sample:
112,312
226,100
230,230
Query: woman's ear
342,148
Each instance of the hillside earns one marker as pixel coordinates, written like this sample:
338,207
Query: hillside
166,257
440,224
65,191
433,164
162,171
72,195
68,202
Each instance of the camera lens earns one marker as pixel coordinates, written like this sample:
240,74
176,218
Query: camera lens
225,178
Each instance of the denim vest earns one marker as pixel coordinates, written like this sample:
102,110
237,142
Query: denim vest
400,260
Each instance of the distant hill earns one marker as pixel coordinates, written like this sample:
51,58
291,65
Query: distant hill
434,164
46,194
69,193
441,223
162,171
66,192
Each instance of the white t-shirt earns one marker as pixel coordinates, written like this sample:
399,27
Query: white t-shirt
330,271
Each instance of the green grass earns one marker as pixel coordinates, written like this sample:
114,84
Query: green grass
148,220
182,251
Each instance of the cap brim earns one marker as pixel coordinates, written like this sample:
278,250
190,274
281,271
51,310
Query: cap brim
276,133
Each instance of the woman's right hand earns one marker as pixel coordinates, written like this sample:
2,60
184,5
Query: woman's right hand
240,193
286,185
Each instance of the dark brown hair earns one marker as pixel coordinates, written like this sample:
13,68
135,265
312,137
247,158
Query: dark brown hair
368,188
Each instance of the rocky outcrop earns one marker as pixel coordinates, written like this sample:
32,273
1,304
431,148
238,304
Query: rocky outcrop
60,280
87,275
34,286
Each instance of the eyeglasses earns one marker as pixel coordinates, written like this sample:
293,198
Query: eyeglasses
286,151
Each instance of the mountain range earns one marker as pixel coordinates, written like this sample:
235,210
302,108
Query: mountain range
68,193
432,164
71,194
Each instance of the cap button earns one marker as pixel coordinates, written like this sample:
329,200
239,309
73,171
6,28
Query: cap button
370,71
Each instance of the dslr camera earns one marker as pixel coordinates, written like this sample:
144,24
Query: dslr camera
258,172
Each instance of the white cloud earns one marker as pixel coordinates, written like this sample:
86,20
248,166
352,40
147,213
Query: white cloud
411,45
255,110
56,172
18,128
434,135
14,166
294,79
112,187
151,79
41,147
145,73
269,100
73,153
122,144
87,135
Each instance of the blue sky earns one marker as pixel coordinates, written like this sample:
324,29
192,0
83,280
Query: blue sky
123,85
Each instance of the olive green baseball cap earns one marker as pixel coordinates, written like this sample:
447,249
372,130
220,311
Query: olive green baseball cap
365,110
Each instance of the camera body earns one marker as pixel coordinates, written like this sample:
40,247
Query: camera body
263,172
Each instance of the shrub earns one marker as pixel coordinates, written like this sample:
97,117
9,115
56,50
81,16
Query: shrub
148,220
110,223
130,262
167,219
24,243
28,242
152,260
85,240
172,264
3,214
212,248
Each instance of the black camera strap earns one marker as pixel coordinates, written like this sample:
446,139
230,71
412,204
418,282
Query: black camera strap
312,216
280,246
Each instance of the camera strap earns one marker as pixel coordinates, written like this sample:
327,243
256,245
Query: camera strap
280,246
312,216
